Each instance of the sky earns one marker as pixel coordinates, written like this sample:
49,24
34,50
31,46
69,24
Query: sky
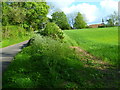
93,10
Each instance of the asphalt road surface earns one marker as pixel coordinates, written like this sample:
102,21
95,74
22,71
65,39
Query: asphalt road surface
8,53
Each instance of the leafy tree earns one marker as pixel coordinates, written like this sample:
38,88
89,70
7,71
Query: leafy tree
61,20
71,19
112,19
49,20
79,21
103,21
36,14
53,31
28,14
103,24
5,13
13,13
110,22
17,16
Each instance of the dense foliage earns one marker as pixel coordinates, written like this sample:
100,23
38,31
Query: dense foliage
112,20
21,18
13,32
61,20
53,31
79,21
30,15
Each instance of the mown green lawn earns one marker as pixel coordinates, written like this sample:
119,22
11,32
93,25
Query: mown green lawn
100,42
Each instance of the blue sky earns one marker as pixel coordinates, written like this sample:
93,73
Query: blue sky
93,10
92,3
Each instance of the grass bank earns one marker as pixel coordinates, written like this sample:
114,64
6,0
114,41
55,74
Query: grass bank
13,35
11,41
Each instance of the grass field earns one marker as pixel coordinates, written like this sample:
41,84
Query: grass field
100,42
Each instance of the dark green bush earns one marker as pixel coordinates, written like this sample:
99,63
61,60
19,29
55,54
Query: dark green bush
87,26
101,26
53,31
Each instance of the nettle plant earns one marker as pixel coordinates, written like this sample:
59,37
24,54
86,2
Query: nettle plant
53,31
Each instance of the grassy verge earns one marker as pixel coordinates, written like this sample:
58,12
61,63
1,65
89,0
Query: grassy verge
12,41
47,63
12,35
100,42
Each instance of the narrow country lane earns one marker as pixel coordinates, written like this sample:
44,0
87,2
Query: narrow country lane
8,53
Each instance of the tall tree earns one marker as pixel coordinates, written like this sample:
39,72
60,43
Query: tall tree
5,13
110,22
79,21
61,20
112,19
28,14
102,21
71,18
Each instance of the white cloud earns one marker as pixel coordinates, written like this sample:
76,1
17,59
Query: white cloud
93,13
58,5
90,11
61,3
49,16
109,6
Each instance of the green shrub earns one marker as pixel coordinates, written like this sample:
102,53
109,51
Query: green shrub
12,32
53,31
87,27
101,26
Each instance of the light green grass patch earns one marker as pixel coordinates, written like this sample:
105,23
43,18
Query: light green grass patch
8,42
12,35
100,42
